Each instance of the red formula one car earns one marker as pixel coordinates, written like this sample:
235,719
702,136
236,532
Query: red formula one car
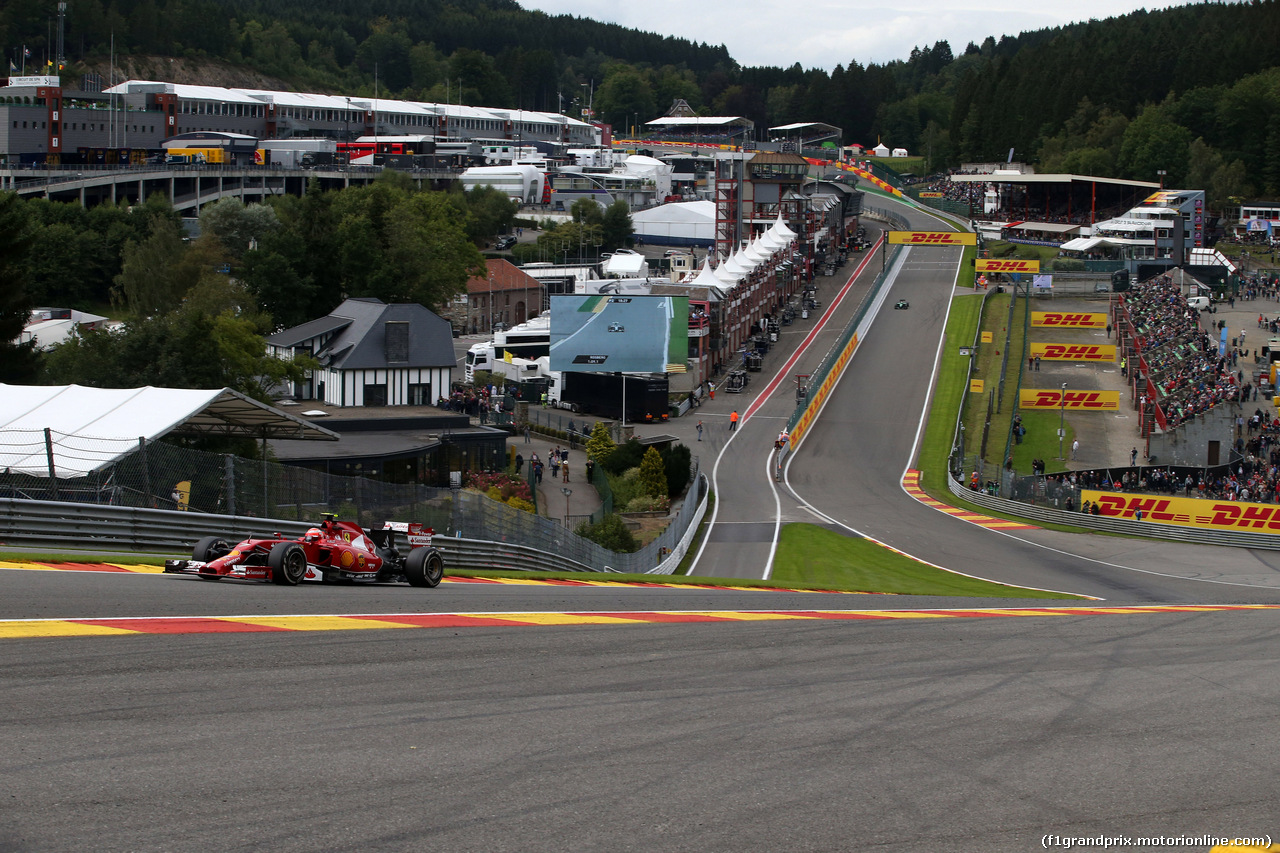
334,551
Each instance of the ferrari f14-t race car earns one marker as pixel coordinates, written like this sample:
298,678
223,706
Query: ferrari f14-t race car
334,551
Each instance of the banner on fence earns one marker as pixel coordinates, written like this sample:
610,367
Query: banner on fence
1074,352
1054,398
1065,320
933,238
818,397
930,195
996,265
1188,512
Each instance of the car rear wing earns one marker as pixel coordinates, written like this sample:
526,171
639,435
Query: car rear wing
418,536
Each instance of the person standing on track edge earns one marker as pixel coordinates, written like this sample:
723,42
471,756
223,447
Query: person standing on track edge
699,430
733,420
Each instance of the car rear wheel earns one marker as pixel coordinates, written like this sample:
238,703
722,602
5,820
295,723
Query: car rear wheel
288,563
424,567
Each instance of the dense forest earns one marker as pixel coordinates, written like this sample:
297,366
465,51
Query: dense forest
1193,90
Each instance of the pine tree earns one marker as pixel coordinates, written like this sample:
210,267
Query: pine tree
600,445
653,474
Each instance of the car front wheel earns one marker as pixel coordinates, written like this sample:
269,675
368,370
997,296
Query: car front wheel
288,563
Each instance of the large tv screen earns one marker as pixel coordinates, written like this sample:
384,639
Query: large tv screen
611,334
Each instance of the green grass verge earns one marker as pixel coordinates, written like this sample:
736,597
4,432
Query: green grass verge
814,556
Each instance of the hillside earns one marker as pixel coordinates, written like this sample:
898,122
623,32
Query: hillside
1192,90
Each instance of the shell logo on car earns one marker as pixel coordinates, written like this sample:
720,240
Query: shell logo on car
346,559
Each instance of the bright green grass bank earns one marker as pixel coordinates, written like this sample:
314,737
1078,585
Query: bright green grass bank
817,557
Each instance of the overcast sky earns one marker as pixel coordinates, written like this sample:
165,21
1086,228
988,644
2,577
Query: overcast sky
825,33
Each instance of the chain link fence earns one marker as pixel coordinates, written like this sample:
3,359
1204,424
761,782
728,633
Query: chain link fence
157,475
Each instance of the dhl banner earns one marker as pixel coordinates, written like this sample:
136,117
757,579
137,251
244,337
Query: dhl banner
1082,401
1074,352
1188,512
818,397
997,265
933,238
1065,320
930,195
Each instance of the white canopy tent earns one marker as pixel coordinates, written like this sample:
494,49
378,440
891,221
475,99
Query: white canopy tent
90,428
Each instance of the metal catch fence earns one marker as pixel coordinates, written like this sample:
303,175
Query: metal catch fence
182,482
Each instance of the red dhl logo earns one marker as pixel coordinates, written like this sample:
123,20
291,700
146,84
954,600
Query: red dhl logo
1076,353
1008,266
933,237
1070,400
1240,516
1087,320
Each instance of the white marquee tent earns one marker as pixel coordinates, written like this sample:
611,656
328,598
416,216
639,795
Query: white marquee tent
684,223
89,428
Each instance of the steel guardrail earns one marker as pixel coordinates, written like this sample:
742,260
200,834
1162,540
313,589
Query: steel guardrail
26,523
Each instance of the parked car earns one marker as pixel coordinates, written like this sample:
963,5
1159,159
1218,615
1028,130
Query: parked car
505,242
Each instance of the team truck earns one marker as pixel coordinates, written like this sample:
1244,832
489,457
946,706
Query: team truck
601,394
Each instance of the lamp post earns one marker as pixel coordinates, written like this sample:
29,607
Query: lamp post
566,492
1161,173
1062,413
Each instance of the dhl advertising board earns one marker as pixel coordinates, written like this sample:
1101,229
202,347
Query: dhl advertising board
1074,352
933,238
997,265
1076,401
816,399
1067,320
1188,512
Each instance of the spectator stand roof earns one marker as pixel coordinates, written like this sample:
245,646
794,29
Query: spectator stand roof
808,133
1008,178
89,428
703,125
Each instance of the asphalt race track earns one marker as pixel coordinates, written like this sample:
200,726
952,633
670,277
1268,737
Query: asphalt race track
912,734
937,729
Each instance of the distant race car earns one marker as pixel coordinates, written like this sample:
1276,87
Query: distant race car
617,327
334,551
902,303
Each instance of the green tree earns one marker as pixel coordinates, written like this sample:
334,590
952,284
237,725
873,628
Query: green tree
491,212
149,281
616,226
1152,142
624,94
236,224
679,466
17,360
600,445
610,532
653,474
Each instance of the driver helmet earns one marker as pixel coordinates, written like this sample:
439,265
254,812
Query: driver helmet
313,534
